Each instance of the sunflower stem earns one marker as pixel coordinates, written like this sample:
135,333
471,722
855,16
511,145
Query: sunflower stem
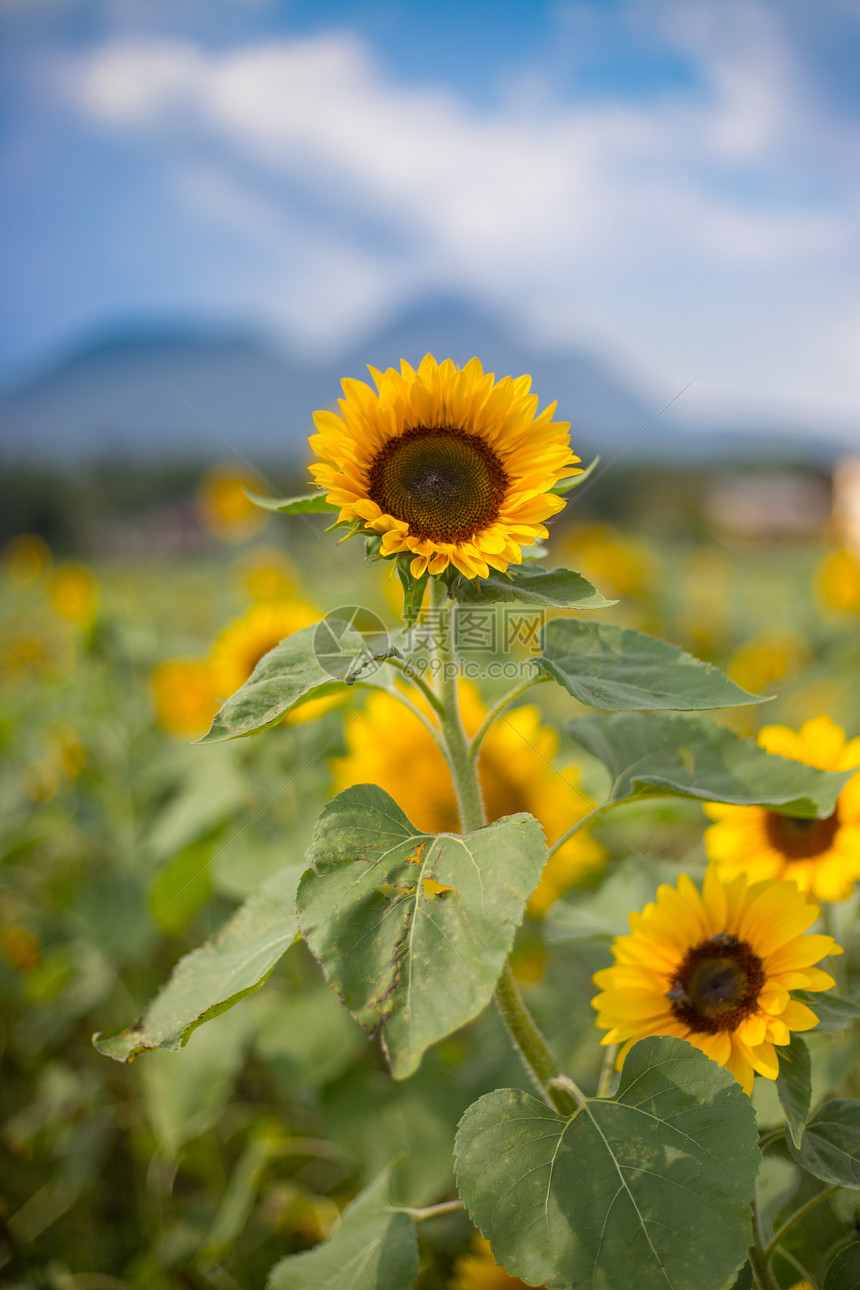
764,1278
557,1090
465,779
497,710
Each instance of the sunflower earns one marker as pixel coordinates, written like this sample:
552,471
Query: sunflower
447,465
716,969
387,745
478,1270
821,856
184,696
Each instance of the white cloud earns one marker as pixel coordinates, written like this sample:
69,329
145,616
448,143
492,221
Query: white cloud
631,224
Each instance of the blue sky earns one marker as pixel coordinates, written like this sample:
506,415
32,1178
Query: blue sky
673,185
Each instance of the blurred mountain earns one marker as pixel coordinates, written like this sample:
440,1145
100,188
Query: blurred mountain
149,392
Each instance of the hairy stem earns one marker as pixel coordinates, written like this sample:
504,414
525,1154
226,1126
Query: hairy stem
539,1058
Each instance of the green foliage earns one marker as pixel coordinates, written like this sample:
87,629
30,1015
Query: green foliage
620,670
794,1086
568,485
654,1184
655,755
844,1271
374,1248
235,963
830,1149
309,664
527,585
833,1012
307,504
413,929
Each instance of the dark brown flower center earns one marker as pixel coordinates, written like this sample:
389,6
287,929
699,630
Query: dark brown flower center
447,485
801,839
717,985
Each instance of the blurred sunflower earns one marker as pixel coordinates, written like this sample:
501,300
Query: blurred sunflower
224,507
74,593
838,580
184,696
388,746
821,856
478,1270
447,465
26,558
716,969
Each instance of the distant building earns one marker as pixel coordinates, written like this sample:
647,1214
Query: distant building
772,505
846,503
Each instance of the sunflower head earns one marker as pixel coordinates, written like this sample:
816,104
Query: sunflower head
821,856
446,466
715,968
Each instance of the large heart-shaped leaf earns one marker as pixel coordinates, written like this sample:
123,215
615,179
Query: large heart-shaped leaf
209,980
830,1149
309,664
620,670
413,929
374,1248
654,754
526,585
650,1188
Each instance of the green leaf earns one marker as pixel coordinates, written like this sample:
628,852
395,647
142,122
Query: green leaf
833,1012
794,1086
652,1187
844,1271
620,669
211,979
413,929
310,663
744,1280
567,485
656,755
831,1143
307,504
527,585
374,1248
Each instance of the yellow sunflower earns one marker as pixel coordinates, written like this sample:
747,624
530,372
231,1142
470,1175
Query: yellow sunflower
716,969
388,746
821,856
184,696
478,1270
449,466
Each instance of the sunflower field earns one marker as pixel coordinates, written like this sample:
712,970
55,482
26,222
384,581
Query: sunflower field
467,904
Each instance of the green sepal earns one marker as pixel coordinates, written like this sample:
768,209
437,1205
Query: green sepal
568,485
413,592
